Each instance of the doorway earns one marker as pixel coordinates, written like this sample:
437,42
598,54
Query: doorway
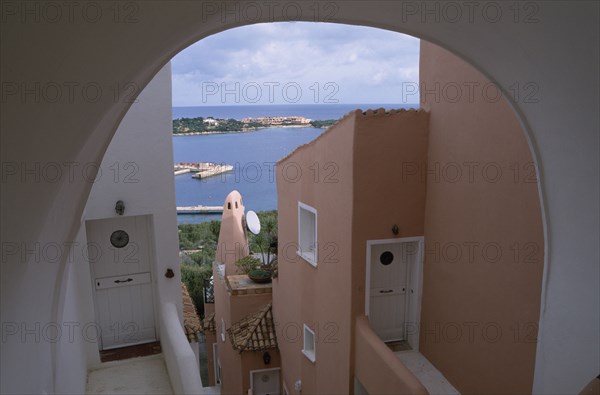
393,288
121,257
265,381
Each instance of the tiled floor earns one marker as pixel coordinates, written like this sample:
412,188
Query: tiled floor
145,375
398,346
431,378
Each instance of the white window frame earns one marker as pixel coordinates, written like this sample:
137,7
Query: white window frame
311,352
310,257
222,330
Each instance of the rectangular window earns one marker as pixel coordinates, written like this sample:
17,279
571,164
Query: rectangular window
222,330
307,233
309,344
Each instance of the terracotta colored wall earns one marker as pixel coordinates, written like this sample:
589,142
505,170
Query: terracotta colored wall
210,339
377,368
467,299
364,201
242,306
387,144
232,245
317,296
230,362
235,367
253,360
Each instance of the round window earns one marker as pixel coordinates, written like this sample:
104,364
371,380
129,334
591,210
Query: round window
386,258
119,238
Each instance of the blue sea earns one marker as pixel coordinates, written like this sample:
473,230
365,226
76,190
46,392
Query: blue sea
252,154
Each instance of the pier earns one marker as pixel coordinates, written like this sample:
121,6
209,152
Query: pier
213,171
200,210
181,171
202,169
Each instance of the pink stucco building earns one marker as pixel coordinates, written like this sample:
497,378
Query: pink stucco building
241,341
408,240
418,228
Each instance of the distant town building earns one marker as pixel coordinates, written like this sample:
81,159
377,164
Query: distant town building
290,120
211,121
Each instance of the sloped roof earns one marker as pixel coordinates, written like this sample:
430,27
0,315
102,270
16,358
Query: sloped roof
255,332
208,323
191,321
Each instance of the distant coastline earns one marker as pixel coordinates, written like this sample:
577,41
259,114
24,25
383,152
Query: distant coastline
210,125
248,130
312,111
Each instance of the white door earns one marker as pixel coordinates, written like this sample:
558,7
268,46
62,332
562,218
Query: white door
388,291
120,254
265,382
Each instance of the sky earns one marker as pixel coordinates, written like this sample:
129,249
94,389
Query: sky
296,63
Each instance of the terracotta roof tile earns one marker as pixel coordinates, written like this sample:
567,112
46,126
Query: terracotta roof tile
255,332
191,322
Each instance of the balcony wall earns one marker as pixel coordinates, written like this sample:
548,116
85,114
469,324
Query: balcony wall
376,366
182,363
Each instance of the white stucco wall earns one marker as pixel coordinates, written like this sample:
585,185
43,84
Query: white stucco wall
142,151
558,51
137,169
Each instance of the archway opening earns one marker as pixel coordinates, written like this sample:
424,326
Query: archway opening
451,93
453,103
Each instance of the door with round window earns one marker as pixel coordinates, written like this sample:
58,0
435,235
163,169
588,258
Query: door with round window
388,296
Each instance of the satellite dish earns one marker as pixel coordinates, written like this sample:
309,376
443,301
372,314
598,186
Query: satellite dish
253,222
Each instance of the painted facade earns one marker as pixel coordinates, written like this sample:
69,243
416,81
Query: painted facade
492,292
243,344
355,201
108,314
393,176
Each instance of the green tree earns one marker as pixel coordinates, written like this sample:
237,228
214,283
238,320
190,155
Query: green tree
193,277
203,238
197,266
265,243
323,124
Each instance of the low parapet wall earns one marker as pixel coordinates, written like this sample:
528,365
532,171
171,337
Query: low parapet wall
181,362
377,368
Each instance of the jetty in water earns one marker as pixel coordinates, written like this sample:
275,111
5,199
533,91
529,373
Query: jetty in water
200,210
202,169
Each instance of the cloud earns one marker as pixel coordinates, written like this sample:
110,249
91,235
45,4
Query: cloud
295,62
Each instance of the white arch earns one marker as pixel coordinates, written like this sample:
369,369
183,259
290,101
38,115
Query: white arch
562,131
